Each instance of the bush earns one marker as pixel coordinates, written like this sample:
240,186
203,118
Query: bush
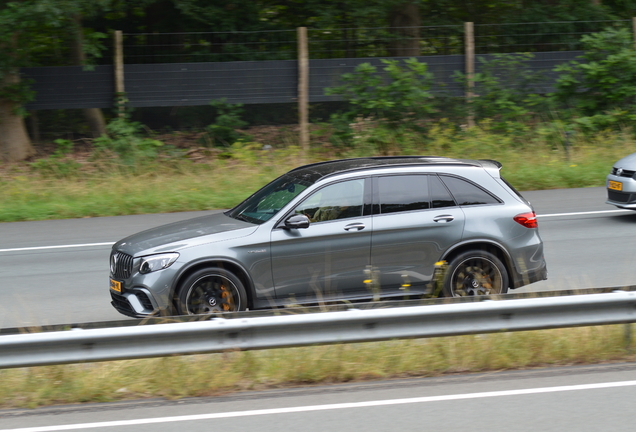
600,89
125,140
506,90
224,131
398,98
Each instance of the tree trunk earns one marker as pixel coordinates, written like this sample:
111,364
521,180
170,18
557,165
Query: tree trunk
15,144
405,26
94,116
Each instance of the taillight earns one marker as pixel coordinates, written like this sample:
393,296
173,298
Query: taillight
528,220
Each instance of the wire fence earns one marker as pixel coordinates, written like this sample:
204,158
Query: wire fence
191,69
145,48
538,37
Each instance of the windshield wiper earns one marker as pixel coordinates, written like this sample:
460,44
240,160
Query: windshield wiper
243,218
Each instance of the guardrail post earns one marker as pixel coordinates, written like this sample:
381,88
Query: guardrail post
627,335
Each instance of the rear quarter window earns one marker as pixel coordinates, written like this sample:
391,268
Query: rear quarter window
467,193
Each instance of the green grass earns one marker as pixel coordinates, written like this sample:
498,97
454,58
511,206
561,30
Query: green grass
214,374
175,184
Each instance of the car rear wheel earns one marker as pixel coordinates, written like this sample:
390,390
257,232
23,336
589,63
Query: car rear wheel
211,290
475,273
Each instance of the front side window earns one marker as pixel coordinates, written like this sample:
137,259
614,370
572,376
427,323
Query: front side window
336,201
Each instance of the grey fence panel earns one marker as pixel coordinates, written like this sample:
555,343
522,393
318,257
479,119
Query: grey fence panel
248,82
183,84
349,326
68,87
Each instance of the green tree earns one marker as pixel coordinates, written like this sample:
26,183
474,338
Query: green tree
30,30
600,88
24,27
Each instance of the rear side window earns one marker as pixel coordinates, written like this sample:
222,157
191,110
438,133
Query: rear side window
467,193
402,193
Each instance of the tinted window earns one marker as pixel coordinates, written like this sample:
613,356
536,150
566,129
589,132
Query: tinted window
402,193
440,197
466,193
336,201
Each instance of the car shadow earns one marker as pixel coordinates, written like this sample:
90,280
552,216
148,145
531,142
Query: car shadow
625,217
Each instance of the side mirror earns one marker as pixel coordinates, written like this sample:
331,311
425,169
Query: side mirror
297,221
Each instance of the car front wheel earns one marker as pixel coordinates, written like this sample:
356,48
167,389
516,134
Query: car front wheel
475,273
211,290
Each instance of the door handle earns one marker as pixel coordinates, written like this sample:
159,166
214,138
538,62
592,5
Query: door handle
444,218
358,226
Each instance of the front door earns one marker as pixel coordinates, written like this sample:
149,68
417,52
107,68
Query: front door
328,259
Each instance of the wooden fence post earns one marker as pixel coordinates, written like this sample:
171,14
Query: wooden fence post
469,41
303,88
119,74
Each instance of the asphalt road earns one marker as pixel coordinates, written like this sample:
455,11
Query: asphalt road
582,399
56,272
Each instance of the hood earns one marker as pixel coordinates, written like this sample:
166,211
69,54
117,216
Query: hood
628,162
175,235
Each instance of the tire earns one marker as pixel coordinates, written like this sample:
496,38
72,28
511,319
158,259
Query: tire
211,290
475,273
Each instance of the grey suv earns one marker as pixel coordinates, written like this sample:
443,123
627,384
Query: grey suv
353,230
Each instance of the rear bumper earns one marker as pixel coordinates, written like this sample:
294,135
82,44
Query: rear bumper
531,276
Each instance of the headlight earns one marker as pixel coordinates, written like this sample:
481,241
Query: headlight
157,262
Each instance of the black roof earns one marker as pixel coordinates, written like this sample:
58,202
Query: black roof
318,170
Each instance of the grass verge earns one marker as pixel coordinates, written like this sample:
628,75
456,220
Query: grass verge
49,189
215,374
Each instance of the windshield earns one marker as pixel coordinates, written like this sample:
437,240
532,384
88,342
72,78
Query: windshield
268,201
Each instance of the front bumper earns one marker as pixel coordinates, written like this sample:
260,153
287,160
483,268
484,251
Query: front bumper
136,303
624,198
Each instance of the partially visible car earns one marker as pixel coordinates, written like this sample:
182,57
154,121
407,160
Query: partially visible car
345,230
621,183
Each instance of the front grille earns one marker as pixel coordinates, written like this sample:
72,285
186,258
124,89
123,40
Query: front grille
618,196
121,265
624,173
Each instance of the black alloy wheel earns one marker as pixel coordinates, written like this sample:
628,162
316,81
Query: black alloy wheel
211,290
475,273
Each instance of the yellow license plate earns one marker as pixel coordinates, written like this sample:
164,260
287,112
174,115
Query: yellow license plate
115,285
614,185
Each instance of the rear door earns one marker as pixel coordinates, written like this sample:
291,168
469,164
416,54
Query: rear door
415,219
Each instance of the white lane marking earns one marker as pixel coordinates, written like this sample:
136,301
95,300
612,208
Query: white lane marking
310,408
111,243
586,213
56,247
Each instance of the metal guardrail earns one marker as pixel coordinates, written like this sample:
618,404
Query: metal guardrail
354,325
